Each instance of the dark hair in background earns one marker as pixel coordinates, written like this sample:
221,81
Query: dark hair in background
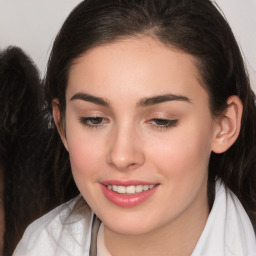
19,105
195,27
29,184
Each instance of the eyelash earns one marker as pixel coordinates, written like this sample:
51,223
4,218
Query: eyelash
88,121
164,123
158,123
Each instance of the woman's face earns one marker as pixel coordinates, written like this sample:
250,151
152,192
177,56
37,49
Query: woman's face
139,134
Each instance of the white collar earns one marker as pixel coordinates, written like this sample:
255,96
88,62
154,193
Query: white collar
228,230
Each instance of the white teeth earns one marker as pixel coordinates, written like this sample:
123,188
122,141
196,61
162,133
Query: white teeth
130,189
139,188
121,190
145,187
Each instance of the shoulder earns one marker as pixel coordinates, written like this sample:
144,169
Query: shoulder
228,230
63,231
240,236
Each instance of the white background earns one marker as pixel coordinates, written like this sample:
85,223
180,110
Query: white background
33,24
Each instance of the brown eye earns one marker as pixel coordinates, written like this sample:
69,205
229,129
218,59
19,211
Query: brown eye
163,123
92,121
95,120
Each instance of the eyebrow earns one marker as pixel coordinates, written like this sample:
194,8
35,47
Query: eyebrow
142,103
90,98
162,98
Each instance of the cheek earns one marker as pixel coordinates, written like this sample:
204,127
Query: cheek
185,151
85,160
85,151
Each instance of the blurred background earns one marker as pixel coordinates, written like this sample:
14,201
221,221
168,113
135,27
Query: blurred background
33,24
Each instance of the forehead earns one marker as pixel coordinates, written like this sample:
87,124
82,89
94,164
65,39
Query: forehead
133,65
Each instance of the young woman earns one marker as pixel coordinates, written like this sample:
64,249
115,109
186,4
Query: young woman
153,105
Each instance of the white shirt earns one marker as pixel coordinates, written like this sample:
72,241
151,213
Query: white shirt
64,232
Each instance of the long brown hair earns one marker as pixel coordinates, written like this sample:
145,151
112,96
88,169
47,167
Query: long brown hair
29,187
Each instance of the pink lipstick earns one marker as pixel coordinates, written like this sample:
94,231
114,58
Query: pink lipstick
128,193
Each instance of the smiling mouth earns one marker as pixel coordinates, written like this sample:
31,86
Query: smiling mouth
130,190
128,193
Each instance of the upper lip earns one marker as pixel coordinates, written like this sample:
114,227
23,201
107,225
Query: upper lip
127,182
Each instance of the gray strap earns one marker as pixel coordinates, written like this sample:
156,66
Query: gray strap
95,229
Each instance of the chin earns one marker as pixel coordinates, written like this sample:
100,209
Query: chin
130,226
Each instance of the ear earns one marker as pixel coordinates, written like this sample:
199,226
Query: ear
58,122
228,125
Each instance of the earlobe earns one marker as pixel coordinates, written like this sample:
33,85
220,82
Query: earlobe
229,125
58,122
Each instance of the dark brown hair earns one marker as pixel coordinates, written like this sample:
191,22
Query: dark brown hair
29,187
19,126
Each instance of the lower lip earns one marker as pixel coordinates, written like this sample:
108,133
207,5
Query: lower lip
127,200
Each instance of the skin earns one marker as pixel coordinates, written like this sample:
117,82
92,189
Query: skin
138,146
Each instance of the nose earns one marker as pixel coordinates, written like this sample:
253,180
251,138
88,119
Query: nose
125,149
